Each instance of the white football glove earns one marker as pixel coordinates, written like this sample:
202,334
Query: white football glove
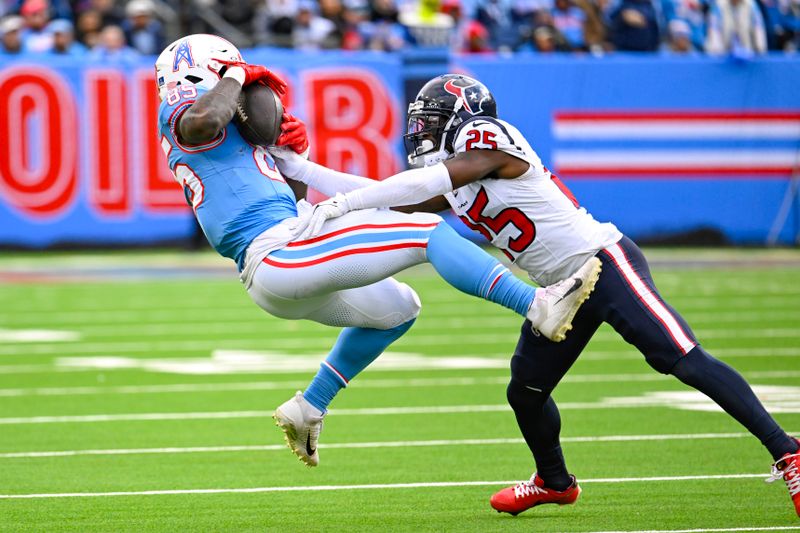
311,224
289,163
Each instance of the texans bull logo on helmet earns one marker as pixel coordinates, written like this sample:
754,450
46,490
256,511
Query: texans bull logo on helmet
471,92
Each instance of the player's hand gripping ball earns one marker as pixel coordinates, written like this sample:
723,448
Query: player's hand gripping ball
259,113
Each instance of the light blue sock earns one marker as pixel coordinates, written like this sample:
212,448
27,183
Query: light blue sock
354,350
469,269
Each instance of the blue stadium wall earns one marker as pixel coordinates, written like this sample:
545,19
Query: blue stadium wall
658,145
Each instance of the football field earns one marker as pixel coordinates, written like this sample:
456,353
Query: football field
136,392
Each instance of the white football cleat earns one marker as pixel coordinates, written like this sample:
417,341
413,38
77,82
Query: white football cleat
301,425
554,306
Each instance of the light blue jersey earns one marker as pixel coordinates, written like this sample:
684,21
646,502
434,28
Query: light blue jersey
234,187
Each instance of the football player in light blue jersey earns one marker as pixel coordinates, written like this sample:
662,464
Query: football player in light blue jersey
342,277
231,206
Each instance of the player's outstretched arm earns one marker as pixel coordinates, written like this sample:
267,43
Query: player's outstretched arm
418,185
434,205
327,181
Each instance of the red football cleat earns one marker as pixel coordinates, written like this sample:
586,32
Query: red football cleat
527,494
788,468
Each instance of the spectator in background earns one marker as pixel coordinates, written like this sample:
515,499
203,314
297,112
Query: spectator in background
692,13
333,10
544,40
736,27
11,35
469,36
142,30
310,31
383,30
64,43
570,20
238,13
634,26
476,39
88,28
112,47
495,16
594,28
783,24
679,38
35,37
352,37
110,13
274,22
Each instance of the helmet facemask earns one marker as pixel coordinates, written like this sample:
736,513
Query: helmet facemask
427,133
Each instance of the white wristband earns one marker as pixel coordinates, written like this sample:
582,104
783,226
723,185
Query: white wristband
237,73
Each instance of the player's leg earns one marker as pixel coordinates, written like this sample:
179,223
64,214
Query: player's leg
363,247
379,313
643,318
385,310
335,260
537,367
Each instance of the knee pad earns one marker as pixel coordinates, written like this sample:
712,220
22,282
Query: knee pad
526,397
663,360
411,304
386,306
693,366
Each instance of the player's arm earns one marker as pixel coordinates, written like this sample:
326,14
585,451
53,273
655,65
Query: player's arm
434,205
468,167
205,118
327,181
419,185
299,188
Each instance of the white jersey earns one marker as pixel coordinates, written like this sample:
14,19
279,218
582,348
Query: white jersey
534,218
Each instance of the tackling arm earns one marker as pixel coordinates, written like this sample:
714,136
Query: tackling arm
434,205
419,185
327,181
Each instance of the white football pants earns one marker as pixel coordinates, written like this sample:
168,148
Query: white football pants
342,276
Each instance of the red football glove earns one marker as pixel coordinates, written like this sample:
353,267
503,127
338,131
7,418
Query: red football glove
294,134
258,74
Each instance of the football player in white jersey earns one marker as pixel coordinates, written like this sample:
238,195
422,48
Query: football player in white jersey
498,186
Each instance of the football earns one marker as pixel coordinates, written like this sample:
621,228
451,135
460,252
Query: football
259,113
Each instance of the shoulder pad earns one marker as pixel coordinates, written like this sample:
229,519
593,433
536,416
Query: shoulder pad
483,133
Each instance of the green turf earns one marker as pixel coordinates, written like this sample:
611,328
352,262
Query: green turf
744,306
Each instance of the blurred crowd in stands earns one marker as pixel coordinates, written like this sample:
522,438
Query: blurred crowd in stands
120,30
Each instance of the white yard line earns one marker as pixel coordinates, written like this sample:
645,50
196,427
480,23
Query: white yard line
591,355
361,445
705,530
323,343
378,486
619,403
358,384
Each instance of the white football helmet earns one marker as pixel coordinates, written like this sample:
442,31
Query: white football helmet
193,59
